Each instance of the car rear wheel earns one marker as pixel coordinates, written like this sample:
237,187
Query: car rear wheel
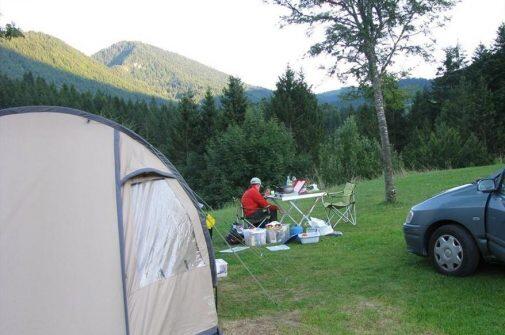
453,252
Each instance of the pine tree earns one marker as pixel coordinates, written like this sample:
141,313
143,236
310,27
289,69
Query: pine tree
499,44
209,114
234,101
480,53
294,104
184,138
455,59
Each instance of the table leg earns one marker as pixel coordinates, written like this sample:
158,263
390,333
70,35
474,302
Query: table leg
304,216
286,214
293,204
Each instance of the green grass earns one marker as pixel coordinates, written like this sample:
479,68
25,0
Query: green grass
364,282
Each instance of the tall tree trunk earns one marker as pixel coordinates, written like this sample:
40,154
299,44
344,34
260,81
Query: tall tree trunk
383,130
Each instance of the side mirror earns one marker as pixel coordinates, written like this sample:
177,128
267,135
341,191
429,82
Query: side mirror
486,185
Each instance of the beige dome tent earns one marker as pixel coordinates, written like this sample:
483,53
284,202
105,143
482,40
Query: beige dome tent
99,233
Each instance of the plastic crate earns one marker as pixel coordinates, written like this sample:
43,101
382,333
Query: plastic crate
310,237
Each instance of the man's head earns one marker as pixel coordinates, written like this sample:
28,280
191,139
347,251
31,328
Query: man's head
256,182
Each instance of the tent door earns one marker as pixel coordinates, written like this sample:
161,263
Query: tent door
160,238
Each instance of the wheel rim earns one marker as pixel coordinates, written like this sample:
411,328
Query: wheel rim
448,252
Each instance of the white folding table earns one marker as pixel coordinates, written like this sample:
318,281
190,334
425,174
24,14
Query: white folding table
292,200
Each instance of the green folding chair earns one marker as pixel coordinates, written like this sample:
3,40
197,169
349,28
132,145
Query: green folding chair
341,206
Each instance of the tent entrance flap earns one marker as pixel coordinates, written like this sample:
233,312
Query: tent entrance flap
162,236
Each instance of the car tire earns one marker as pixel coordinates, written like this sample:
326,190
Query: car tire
453,251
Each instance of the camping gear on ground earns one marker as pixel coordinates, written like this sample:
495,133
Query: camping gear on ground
336,233
277,232
235,235
271,235
292,238
255,237
321,226
221,268
100,234
279,247
292,201
234,250
309,237
295,230
341,205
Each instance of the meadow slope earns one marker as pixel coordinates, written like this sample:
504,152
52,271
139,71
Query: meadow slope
364,282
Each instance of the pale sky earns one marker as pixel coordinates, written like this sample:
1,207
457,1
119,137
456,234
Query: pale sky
238,37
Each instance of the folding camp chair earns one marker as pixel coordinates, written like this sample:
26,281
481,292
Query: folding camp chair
248,222
341,205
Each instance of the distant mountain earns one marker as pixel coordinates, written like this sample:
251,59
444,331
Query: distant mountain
256,93
344,97
340,97
165,71
131,70
59,63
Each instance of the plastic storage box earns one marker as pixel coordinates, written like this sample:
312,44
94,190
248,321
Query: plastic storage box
309,237
255,237
221,268
278,233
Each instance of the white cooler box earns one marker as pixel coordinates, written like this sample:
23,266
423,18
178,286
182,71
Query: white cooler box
221,268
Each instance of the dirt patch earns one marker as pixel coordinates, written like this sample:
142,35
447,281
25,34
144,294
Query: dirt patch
274,324
372,317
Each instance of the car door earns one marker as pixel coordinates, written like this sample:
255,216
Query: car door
495,218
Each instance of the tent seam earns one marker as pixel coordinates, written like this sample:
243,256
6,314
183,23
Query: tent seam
119,207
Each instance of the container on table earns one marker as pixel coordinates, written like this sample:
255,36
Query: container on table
307,238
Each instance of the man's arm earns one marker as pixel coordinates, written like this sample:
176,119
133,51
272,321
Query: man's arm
258,198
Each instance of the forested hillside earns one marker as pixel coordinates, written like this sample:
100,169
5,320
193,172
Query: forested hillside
57,62
168,72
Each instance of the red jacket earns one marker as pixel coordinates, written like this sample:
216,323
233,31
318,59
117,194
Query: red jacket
252,200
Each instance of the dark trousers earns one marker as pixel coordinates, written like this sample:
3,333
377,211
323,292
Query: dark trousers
262,217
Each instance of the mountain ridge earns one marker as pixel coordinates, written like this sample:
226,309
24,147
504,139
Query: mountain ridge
51,58
134,70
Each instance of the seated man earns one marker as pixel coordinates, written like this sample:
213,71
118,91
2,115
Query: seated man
256,208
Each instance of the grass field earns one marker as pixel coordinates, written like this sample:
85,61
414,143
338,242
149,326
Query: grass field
364,282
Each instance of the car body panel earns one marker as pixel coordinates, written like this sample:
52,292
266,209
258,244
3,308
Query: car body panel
464,205
495,223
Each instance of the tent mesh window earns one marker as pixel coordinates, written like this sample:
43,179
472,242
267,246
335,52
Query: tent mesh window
165,241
